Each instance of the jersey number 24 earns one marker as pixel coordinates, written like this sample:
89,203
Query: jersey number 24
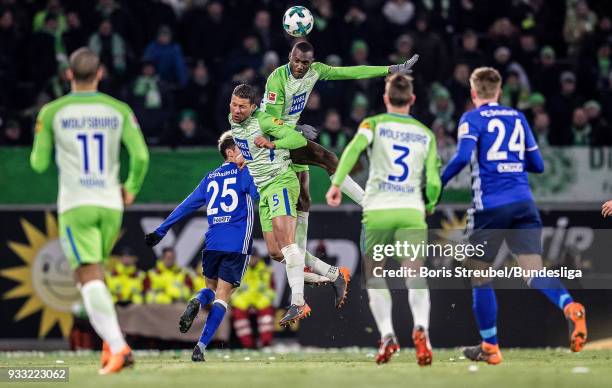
516,143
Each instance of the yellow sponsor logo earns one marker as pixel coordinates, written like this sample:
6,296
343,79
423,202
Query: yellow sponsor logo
278,121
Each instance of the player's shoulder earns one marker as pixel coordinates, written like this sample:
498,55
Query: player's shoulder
264,117
114,102
280,74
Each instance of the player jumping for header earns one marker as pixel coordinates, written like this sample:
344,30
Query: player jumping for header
279,189
88,129
286,94
501,147
403,159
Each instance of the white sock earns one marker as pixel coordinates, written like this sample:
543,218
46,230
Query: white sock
320,267
101,312
351,189
420,306
311,277
295,272
301,230
381,305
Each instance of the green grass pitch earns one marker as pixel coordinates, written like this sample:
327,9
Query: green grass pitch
332,368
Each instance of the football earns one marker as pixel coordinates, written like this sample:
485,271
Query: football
298,21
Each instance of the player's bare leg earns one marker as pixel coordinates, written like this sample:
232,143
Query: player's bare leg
316,155
552,288
100,308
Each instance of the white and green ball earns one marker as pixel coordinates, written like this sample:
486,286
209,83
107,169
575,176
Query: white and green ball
298,21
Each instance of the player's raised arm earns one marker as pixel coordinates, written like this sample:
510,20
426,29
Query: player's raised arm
43,142
433,184
286,136
135,144
327,72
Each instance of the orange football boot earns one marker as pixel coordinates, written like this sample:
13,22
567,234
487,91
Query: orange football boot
118,361
422,346
576,321
484,352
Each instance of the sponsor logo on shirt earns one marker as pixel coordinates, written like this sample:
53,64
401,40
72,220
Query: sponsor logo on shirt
243,145
271,97
221,220
509,167
298,102
38,126
278,121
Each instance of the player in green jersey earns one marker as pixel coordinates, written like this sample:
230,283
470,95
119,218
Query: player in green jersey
278,186
286,94
88,129
403,161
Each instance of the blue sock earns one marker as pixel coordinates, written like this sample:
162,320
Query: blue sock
205,296
215,316
485,310
553,289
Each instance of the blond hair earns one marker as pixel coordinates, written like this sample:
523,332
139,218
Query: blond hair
486,82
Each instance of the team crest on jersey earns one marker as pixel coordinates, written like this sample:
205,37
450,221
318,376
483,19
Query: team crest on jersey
271,97
298,102
278,121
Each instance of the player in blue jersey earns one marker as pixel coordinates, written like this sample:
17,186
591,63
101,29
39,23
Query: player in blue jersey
501,148
228,193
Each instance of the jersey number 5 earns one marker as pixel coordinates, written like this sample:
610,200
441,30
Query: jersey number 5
516,143
400,161
227,191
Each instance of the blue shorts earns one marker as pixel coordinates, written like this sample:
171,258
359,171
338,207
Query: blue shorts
227,266
519,224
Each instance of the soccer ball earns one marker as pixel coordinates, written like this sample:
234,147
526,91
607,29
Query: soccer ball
298,21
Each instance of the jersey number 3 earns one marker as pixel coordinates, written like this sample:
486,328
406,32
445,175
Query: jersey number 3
400,161
227,191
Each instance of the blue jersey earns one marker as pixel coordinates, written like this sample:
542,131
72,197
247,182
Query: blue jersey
228,194
498,143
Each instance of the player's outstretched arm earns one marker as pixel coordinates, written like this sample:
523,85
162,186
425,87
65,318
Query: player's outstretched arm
433,183
135,144
43,143
286,136
327,72
533,159
460,160
192,203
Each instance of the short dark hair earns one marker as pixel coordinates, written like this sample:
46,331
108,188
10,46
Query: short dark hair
84,64
246,91
303,46
167,249
399,89
226,141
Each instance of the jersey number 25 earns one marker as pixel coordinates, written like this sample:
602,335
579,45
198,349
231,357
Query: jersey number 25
227,191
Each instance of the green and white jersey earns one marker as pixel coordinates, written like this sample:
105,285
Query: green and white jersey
401,147
285,96
265,164
88,129
403,161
